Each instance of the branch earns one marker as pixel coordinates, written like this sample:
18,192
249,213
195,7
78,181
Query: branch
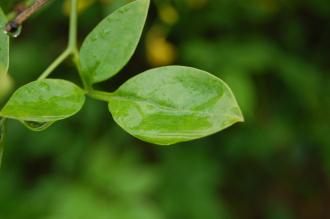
13,25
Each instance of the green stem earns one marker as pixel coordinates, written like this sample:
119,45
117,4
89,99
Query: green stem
73,40
73,26
55,64
72,48
100,95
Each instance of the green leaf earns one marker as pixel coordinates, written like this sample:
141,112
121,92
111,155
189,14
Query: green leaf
173,104
4,45
40,103
107,49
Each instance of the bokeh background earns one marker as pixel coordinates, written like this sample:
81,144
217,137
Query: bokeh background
275,54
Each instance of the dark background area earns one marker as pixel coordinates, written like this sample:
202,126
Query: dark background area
274,54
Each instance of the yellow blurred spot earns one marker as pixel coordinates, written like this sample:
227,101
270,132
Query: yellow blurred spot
168,14
82,6
159,51
6,84
268,6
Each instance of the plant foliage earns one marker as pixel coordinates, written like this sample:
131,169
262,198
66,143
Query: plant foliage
163,106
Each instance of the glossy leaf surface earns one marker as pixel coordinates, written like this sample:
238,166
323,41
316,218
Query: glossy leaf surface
111,44
174,104
4,45
44,101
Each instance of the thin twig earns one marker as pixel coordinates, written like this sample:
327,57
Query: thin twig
13,25
55,64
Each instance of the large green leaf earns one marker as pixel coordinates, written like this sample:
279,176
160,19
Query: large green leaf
4,45
112,43
44,101
174,104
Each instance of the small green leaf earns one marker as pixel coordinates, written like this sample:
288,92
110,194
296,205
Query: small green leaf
4,45
42,102
173,104
107,49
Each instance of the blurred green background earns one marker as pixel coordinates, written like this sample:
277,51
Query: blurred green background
275,54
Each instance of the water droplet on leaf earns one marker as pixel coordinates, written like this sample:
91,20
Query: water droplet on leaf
37,126
16,33
13,30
